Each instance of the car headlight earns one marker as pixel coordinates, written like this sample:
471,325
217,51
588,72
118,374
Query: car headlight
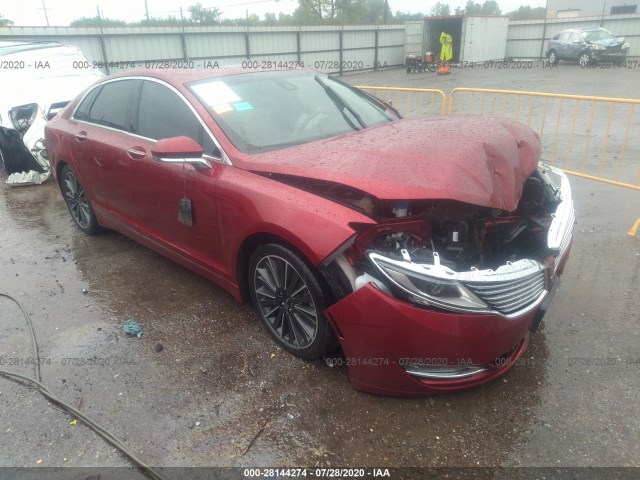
23,116
625,46
426,289
597,46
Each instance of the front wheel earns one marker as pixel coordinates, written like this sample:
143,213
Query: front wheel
584,60
553,57
289,300
77,202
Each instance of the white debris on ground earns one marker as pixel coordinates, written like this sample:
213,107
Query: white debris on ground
31,177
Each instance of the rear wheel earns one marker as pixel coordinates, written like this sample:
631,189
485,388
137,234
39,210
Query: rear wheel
77,202
553,57
289,300
430,66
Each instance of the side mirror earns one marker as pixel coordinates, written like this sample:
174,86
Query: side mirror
180,150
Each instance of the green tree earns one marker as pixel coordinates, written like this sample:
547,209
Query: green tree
203,15
401,17
489,7
270,18
4,22
159,22
314,12
440,9
97,21
528,13
286,19
378,11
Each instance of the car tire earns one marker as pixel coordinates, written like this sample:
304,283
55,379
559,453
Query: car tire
553,57
78,202
288,297
584,60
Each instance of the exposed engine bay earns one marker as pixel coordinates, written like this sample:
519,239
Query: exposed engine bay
465,236
453,255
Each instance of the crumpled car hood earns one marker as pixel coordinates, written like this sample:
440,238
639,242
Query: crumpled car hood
609,42
476,159
43,90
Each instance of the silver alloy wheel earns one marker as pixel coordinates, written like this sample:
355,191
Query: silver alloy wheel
285,302
553,58
584,60
77,200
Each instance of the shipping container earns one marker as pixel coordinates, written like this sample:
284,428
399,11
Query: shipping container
475,38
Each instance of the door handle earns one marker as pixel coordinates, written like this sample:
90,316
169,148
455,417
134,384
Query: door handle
136,153
81,136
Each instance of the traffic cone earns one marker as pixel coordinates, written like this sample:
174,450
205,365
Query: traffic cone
443,69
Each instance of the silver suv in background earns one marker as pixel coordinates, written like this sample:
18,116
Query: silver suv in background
587,46
38,80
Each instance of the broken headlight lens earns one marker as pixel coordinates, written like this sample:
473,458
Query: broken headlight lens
23,116
426,289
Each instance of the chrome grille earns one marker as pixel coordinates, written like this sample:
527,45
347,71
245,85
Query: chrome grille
509,296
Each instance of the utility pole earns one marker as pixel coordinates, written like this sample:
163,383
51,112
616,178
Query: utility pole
46,16
146,9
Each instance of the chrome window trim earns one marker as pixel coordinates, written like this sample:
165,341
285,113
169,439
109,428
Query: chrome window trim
224,157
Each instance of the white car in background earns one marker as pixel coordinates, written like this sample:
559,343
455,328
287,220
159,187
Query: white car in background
38,80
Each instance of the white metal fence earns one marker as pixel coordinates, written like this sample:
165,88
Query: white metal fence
333,49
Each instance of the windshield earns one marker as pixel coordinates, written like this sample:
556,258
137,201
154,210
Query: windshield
595,35
270,110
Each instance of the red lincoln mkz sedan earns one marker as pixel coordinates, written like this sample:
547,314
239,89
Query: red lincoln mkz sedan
428,248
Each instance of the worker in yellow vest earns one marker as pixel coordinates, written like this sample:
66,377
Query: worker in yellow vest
446,53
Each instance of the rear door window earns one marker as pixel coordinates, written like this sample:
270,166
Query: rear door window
111,107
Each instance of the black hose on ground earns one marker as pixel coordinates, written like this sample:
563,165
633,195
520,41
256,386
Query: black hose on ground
37,380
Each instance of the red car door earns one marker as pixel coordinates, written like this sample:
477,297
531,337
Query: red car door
174,202
100,140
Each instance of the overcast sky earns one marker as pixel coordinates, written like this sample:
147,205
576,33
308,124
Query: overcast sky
61,12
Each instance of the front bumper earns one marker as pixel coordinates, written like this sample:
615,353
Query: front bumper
609,56
382,337
393,347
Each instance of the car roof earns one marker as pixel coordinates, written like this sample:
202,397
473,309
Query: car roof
8,48
185,76
582,30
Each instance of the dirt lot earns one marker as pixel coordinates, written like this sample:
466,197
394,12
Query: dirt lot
205,386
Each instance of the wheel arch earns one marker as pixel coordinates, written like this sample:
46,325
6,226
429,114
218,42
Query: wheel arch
255,240
60,164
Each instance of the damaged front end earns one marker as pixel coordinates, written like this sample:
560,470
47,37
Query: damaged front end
22,151
457,261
